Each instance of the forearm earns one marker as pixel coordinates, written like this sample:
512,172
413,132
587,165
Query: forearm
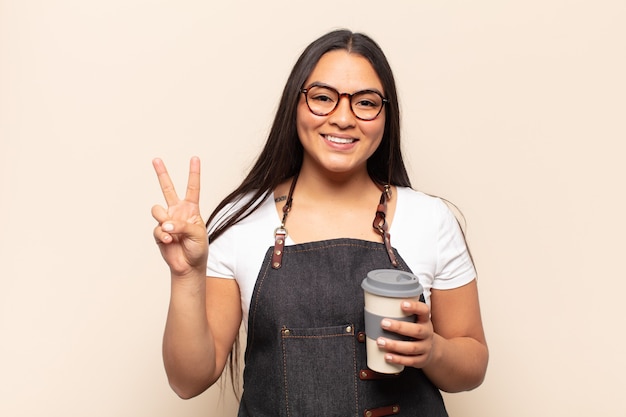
188,346
457,364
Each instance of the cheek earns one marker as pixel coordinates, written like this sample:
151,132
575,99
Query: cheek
305,121
301,125
375,130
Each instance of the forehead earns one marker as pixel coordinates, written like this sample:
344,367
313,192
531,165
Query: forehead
345,71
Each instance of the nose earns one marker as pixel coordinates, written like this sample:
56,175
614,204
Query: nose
343,116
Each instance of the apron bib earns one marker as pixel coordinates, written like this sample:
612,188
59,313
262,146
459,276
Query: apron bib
305,353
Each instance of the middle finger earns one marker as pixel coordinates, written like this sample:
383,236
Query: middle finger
193,183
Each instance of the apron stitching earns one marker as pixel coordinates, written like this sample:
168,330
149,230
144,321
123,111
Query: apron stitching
282,341
326,336
400,265
253,315
354,367
338,245
354,374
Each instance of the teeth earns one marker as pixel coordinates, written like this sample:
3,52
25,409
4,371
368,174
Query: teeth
339,140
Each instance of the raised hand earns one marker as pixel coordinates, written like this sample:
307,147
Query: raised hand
181,233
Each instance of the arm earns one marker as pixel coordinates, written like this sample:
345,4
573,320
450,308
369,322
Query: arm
450,346
460,355
204,313
202,323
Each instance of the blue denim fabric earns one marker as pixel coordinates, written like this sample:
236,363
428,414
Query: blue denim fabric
304,355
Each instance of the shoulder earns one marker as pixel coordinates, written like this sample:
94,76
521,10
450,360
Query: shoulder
256,207
426,218
428,236
241,247
417,204
256,225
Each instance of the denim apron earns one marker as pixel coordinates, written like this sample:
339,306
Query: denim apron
305,354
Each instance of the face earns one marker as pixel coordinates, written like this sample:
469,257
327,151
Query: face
340,143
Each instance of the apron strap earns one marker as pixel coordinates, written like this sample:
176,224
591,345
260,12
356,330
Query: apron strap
380,224
280,234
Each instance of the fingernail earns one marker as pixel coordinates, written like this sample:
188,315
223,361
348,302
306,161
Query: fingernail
380,342
406,304
385,323
388,358
168,227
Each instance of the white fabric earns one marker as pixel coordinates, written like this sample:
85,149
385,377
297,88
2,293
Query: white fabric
423,230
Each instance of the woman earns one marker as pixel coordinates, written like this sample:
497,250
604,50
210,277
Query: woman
291,245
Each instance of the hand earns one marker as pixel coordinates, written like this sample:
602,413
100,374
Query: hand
418,352
181,233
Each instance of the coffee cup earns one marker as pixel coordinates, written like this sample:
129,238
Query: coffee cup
383,290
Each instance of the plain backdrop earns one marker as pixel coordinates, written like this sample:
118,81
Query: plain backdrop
513,110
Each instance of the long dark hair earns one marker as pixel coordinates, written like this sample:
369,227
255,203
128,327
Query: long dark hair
282,156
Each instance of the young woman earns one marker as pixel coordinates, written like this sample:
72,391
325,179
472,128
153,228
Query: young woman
290,246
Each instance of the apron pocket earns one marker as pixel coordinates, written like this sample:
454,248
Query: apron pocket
320,372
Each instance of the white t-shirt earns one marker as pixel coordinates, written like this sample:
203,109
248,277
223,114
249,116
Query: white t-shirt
423,230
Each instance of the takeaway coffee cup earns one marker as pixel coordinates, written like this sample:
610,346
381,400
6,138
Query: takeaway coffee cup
383,289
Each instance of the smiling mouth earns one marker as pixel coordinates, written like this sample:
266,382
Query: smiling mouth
340,141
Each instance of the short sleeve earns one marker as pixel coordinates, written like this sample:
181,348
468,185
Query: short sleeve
222,251
454,267
222,256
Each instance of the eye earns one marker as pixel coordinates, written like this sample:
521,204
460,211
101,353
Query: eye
366,100
366,103
324,98
322,95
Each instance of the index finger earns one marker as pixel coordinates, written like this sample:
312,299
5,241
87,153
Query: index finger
193,183
167,187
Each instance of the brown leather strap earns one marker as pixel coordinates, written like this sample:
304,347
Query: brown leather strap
287,206
380,224
390,410
280,234
279,246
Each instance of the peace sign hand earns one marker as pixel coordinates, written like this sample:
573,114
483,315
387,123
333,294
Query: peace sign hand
181,233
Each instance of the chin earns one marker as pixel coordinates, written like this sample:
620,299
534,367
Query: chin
343,169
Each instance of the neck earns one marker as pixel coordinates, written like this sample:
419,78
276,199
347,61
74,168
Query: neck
322,186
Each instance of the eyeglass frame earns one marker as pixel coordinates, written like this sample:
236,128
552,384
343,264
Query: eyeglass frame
340,95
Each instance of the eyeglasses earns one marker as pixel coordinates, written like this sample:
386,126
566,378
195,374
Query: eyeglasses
322,100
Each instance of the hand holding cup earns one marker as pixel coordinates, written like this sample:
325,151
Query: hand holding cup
392,298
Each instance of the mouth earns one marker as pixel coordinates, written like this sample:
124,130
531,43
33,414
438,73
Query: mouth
339,141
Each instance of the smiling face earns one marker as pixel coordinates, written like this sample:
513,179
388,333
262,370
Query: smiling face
340,143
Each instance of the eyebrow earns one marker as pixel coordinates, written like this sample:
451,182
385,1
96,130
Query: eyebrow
321,84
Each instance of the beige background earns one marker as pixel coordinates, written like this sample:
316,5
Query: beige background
514,110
